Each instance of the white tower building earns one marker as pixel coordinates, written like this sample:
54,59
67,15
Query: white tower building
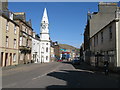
44,39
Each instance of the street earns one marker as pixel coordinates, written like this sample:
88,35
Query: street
56,75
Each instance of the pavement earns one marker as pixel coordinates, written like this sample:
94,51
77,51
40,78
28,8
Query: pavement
86,66
57,75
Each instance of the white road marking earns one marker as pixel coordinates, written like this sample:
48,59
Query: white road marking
46,73
85,71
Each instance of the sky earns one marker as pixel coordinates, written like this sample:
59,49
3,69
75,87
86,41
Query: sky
67,20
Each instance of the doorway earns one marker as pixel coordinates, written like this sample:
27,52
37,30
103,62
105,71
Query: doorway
10,59
42,59
1,59
6,59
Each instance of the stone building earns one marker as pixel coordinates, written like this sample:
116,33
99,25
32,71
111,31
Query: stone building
9,40
86,51
104,35
56,50
82,56
25,37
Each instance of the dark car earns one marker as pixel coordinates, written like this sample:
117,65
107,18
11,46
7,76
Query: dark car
76,62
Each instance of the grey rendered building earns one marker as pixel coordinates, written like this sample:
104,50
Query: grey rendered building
104,35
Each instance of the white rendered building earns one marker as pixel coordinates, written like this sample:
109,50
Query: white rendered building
44,39
35,48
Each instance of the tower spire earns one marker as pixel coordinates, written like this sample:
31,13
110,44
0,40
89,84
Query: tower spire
45,17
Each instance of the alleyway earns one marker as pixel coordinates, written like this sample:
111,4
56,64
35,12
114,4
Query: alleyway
57,75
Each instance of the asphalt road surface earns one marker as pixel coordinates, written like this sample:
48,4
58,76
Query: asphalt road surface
56,75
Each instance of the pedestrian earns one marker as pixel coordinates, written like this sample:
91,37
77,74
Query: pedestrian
106,65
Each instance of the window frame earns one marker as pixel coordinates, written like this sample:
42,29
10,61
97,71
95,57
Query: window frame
7,25
47,49
46,57
15,43
97,39
15,29
7,41
110,32
102,37
14,57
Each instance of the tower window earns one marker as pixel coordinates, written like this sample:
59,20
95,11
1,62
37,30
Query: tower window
47,49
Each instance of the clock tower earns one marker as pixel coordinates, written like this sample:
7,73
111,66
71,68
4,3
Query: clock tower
44,39
44,27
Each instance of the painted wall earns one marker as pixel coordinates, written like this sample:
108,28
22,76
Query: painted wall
107,44
118,42
105,14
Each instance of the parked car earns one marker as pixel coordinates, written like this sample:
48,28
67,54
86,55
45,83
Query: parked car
59,60
76,62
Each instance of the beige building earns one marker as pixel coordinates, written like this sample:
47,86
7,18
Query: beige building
104,36
9,39
52,53
25,39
